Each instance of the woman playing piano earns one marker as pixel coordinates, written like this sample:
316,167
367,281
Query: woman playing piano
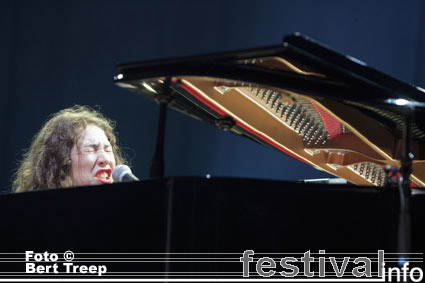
75,147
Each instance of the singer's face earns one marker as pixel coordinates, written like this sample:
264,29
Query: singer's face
92,158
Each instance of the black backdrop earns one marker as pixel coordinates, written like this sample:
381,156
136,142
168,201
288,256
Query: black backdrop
54,54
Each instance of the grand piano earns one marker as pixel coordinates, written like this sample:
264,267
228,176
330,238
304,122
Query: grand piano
301,98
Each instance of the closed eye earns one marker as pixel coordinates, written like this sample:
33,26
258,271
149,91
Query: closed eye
89,149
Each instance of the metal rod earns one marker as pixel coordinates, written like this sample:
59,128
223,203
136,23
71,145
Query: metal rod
157,165
404,227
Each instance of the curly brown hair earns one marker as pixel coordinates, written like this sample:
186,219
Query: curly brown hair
47,162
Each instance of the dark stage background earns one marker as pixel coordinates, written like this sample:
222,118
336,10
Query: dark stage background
54,54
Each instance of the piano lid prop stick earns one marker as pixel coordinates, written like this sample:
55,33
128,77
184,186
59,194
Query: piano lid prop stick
163,98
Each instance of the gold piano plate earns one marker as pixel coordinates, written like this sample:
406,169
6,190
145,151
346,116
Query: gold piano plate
306,128
291,123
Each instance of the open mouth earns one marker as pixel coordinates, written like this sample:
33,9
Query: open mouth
104,176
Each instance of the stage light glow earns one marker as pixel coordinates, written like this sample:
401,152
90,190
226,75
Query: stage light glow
401,101
356,60
420,89
148,87
398,101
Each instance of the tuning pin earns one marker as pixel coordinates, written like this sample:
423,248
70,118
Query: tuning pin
295,116
276,100
326,138
265,93
314,132
310,126
284,110
304,122
305,125
306,132
362,167
368,169
279,107
309,131
321,135
271,96
374,173
291,114
300,119
290,111
379,178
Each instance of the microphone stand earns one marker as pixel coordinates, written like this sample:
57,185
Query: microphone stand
163,98
404,227
157,165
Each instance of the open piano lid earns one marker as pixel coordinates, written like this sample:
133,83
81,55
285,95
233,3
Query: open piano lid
326,109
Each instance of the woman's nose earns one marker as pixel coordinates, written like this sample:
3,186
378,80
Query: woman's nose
103,159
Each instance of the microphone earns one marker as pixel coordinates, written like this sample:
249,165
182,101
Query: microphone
122,173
